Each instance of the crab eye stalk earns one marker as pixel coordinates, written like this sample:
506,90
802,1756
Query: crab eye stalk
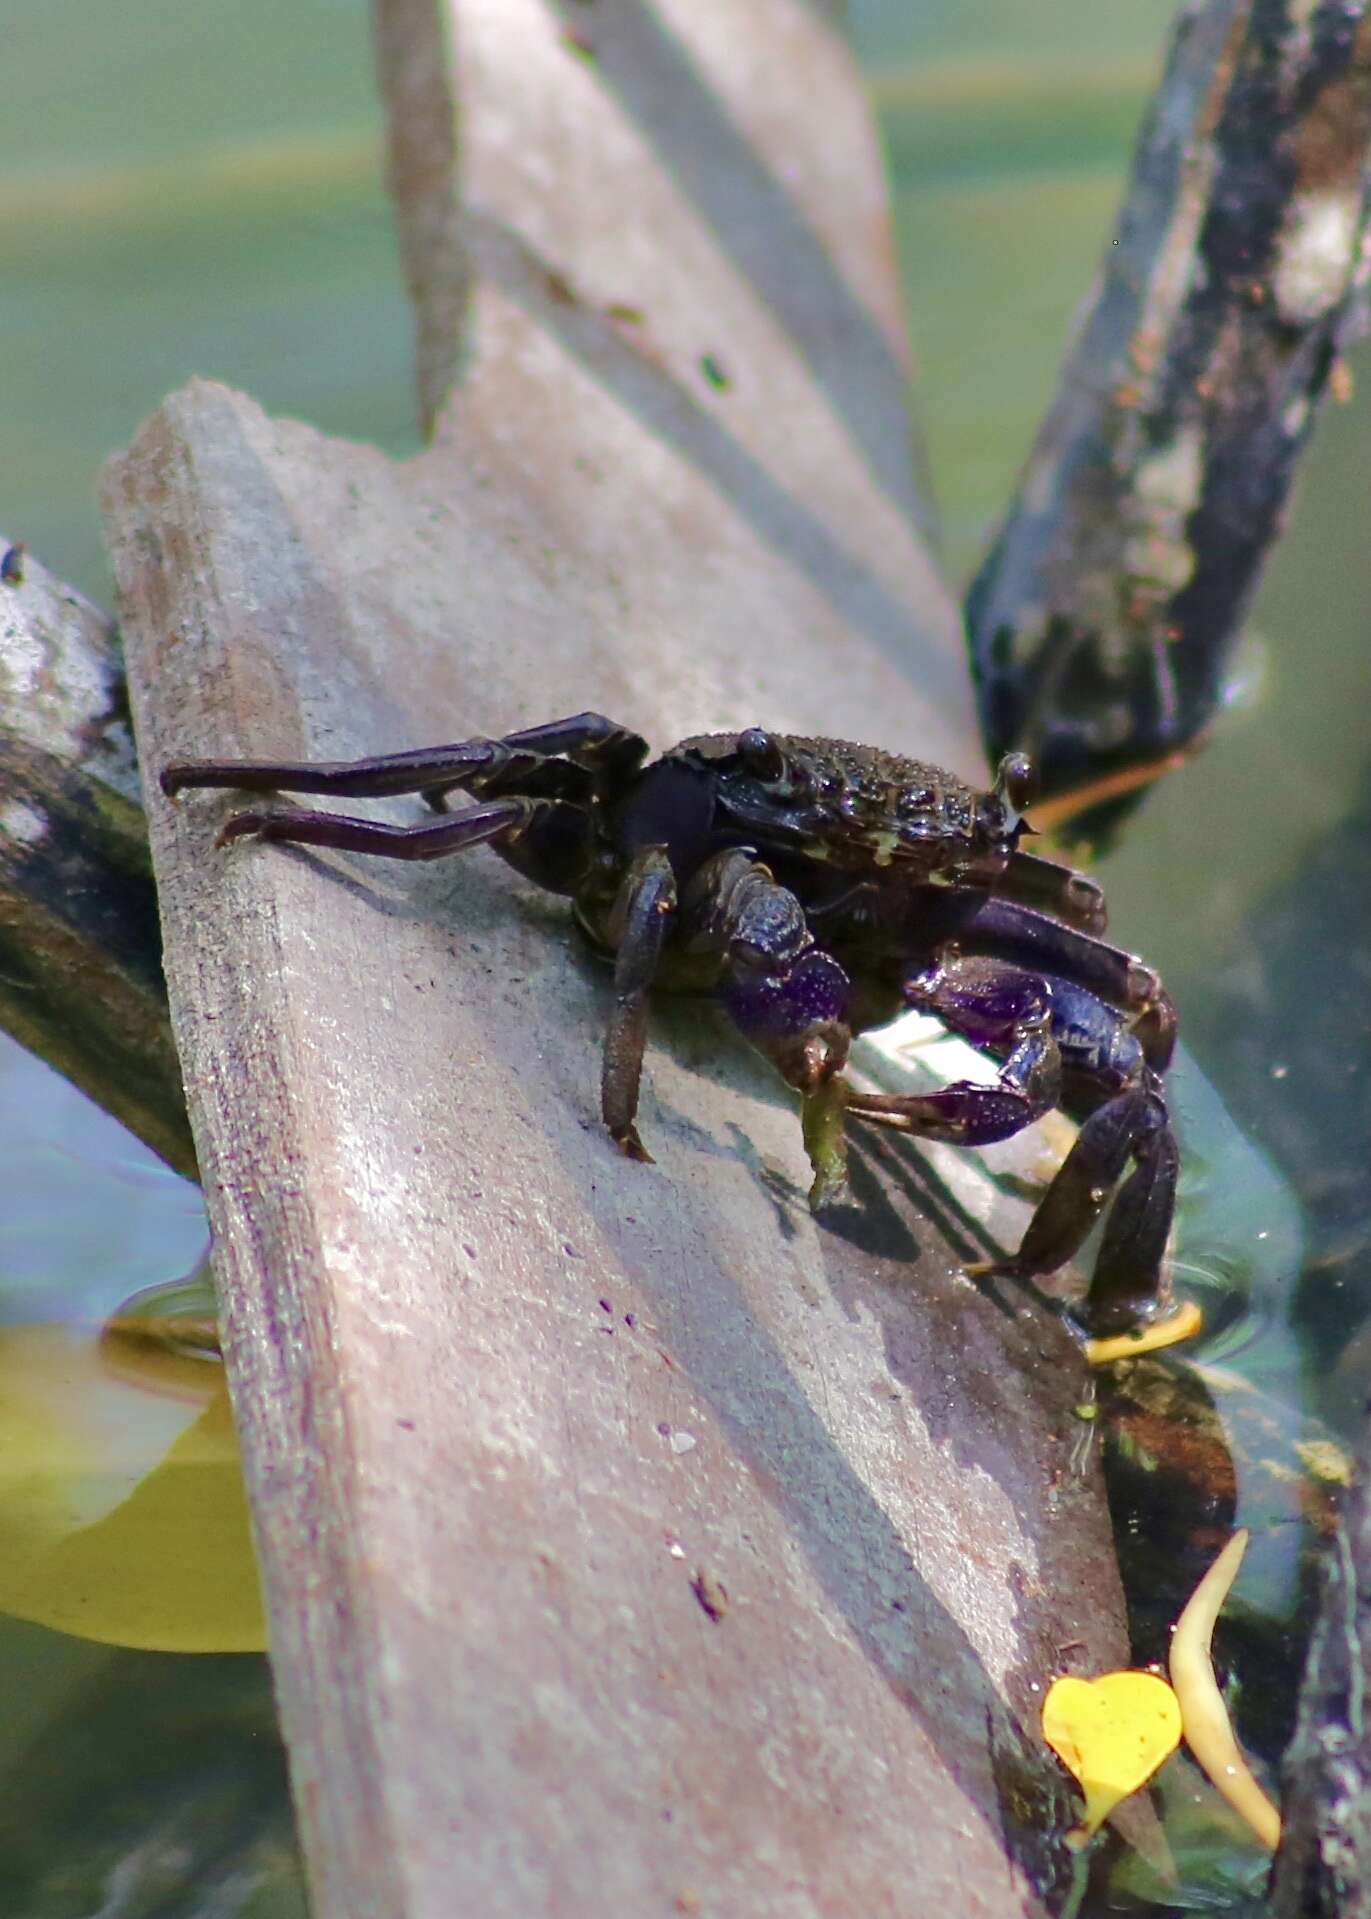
760,754
1016,782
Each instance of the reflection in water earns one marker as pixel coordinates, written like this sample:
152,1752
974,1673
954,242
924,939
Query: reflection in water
154,1788
146,1336
1289,1017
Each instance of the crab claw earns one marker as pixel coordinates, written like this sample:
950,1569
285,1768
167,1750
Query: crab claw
797,1017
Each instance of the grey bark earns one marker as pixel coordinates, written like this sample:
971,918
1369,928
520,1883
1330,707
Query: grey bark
80,954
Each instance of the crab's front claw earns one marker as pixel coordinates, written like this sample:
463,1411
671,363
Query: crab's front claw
797,1016
825,1138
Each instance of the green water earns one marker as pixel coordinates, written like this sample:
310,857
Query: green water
196,190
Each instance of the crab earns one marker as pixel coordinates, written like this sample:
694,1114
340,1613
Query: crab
816,888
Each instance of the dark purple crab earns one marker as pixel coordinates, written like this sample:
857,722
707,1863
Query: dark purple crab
817,888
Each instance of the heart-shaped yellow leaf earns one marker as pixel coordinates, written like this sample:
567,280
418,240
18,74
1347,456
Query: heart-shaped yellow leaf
1113,1733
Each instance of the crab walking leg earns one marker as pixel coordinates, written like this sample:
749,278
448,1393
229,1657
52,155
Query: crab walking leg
574,758
1004,930
1129,1285
589,738
1127,1279
638,924
478,764
995,1006
464,763
1057,890
500,821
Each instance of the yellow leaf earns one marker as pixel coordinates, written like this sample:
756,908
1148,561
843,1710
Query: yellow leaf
122,1511
1112,1733
1204,1716
1151,1337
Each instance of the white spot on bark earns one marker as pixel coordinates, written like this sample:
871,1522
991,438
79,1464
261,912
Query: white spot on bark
1165,494
57,674
1317,253
21,823
1170,479
1295,417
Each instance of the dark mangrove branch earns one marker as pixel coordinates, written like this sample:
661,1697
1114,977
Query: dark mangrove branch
80,953
1323,1869
1103,620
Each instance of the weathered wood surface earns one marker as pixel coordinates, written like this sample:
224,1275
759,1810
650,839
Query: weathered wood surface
510,1404
1104,619
80,960
674,175
482,1494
